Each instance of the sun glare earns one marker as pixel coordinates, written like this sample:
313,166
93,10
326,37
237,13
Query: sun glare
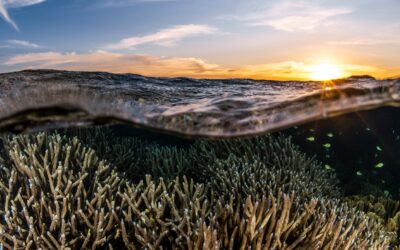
324,72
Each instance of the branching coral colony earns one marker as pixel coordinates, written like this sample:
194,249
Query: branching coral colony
56,193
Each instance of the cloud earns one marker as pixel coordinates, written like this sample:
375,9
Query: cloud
377,34
6,4
164,37
21,3
292,16
119,3
114,62
353,42
22,43
4,14
174,66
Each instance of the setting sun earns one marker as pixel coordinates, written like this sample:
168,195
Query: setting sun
324,72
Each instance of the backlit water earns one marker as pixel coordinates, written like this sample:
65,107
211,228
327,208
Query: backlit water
349,127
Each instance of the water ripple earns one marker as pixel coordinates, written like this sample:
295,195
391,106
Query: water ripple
41,99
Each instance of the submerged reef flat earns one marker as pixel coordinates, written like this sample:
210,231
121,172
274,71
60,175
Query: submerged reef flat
41,99
384,210
90,189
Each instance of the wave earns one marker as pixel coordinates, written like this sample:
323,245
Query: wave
42,99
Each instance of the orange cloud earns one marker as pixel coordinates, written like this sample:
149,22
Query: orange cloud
176,66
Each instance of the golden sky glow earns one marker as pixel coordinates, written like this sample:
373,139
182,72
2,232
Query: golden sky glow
259,39
194,67
325,71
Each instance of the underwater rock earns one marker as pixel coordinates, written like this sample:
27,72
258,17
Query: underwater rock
41,99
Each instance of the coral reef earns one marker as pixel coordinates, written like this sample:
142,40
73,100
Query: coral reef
273,223
382,209
178,216
168,214
134,157
280,195
56,193
260,165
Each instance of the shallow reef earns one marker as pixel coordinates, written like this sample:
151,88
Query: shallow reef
90,189
382,209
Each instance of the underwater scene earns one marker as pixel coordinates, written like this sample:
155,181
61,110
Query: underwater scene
199,125
148,171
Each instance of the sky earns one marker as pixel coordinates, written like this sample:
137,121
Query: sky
259,39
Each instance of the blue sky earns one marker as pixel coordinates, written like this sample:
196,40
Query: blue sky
202,38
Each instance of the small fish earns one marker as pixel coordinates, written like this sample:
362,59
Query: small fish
330,135
326,145
368,129
386,193
380,165
378,148
358,173
328,167
311,138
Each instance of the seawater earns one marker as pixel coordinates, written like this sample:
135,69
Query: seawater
103,161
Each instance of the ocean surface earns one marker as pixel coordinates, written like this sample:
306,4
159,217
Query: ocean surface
180,163
190,107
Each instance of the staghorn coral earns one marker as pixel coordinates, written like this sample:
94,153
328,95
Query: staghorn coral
163,214
168,162
178,216
137,158
125,153
384,210
280,199
260,165
272,222
68,179
78,201
278,156
236,177
56,194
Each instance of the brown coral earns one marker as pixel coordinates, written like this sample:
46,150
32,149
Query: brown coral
261,165
56,195
273,223
137,158
162,213
382,209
